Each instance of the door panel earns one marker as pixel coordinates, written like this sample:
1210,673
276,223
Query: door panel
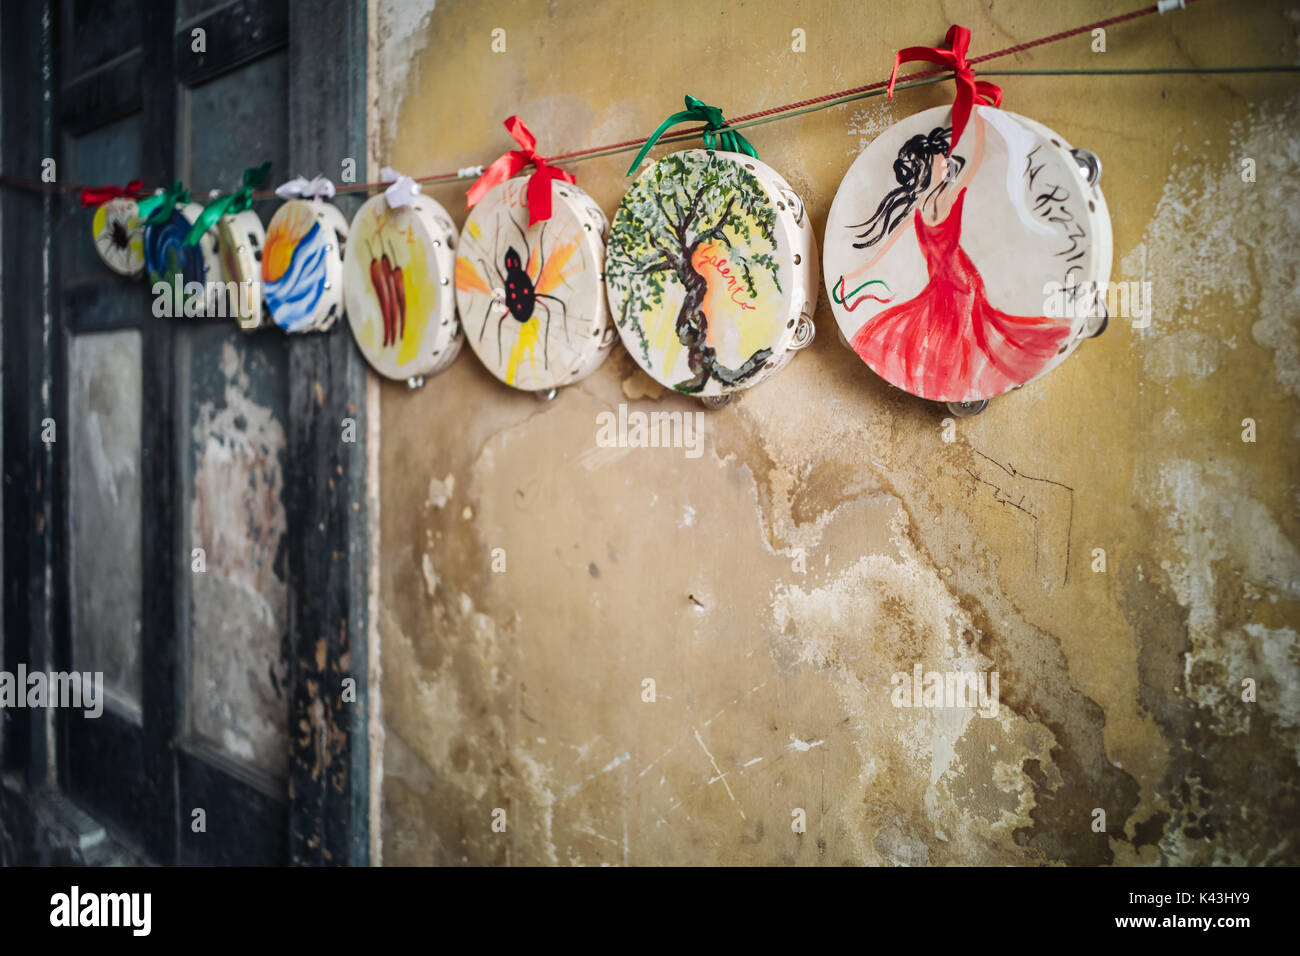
96,32
235,388
239,119
115,567
178,443
233,395
238,621
105,416
104,407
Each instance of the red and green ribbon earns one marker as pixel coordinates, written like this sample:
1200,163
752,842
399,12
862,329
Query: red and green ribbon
968,88
539,183
156,210
236,202
717,134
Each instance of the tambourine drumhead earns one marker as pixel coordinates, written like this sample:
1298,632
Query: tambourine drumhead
240,241
531,298
119,236
1095,276
710,267
995,283
302,265
397,286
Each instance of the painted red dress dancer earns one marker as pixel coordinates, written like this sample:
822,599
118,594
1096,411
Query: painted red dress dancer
947,344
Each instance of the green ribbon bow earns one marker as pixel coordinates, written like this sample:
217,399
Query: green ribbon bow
236,202
717,134
156,210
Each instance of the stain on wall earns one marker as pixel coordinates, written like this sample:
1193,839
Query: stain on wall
829,538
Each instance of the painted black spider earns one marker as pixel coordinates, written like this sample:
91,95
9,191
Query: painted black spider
119,236
519,293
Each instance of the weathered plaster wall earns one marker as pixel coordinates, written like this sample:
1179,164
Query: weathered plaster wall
1119,690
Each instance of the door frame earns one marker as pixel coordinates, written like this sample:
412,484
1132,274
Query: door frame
332,516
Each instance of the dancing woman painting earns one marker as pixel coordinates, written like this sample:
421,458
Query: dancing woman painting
948,343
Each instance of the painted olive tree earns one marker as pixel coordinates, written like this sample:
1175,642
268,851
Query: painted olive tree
686,200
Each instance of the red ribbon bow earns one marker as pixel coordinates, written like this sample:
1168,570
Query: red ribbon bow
539,183
968,88
98,195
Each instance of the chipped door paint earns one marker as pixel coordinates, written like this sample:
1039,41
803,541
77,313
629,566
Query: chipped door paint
238,602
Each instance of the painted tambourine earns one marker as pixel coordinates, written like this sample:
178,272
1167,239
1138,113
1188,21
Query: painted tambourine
240,243
957,278
397,287
532,298
711,271
119,236
302,265
179,266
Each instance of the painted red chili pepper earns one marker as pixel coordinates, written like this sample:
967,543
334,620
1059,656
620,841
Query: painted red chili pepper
391,292
400,286
379,280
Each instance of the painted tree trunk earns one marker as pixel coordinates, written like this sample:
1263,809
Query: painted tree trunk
692,331
692,326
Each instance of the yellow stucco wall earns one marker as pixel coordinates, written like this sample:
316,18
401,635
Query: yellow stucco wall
1119,690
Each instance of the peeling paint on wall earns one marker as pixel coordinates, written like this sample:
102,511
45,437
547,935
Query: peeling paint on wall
402,30
829,537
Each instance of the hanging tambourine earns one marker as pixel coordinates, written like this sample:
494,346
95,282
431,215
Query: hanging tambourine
189,270
711,264
240,243
968,249
529,273
397,282
117,226
239,238
302,261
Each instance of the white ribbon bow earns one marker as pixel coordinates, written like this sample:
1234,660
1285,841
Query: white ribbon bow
302,188
403,189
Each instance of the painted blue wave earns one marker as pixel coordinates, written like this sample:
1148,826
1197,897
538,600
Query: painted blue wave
165,255
294,296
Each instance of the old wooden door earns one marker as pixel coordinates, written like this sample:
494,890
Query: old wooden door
196,527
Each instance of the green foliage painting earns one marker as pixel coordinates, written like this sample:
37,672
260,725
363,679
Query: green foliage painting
688,200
